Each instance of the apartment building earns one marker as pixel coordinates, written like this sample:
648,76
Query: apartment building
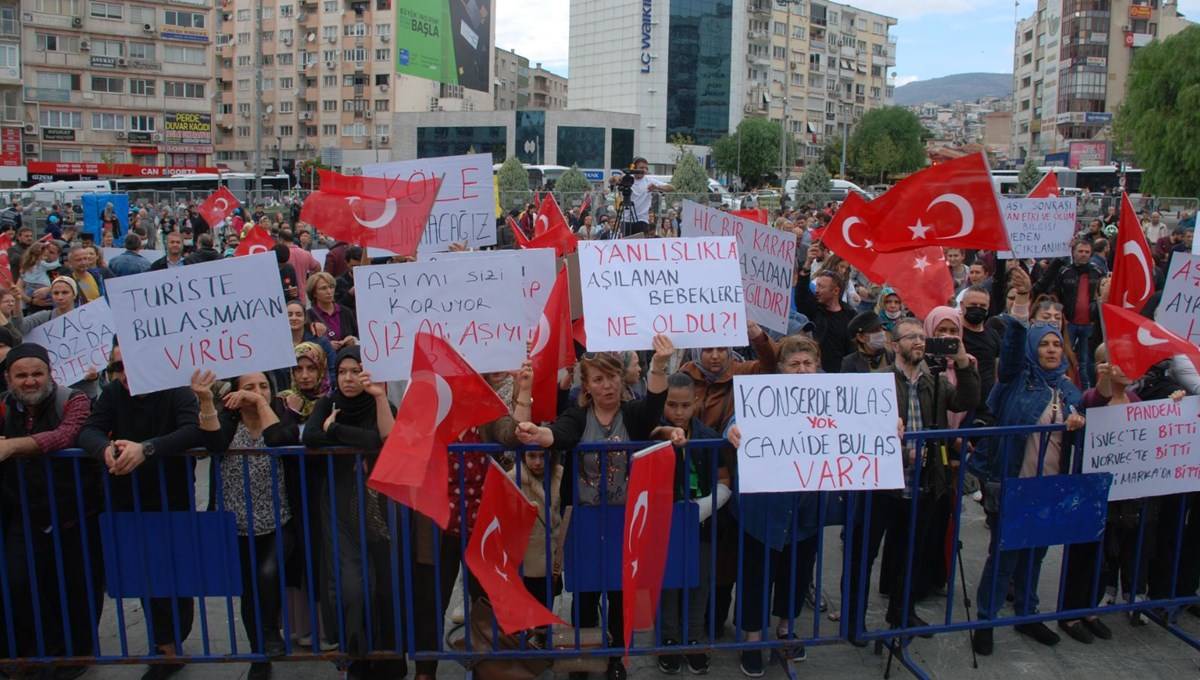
517,85
1070,66
125,84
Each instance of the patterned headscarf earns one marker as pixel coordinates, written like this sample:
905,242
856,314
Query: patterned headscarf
313,352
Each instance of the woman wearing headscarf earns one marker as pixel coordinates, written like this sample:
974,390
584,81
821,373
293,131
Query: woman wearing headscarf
248,486
1032,388
63,295
310,380
356,416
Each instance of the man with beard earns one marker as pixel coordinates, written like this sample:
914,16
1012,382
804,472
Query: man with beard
148,432
40,418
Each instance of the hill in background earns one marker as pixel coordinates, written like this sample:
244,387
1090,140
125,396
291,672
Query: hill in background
961,86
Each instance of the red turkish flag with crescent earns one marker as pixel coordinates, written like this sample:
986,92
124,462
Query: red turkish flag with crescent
1046,188
550,230
496,550
1133,268
372,211
255,240
445,397
952,205
1136,343
648,506
219,205
6,276
552,350
847,235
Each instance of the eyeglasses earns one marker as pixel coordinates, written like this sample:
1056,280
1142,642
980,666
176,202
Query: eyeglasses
913,337
116,367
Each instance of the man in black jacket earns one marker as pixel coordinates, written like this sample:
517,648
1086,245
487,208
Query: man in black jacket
47,531
871,342
204,250
1075,285
823,306
148,433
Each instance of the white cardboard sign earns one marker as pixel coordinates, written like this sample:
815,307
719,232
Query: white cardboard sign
77,341
817,432
474,304
1038,228
538,271
768,259
465,209
689,289
1179,309
1152,448
228,316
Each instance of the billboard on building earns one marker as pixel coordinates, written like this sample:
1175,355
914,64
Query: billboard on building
188,129
449,41
10,147
1087,154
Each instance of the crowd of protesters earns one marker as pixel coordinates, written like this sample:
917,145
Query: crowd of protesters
1027,350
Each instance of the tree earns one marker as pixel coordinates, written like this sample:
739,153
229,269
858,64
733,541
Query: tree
814,185
570,188
513,183
689,178
831,155
1029,177
1160,117
759,151
680,141
903,152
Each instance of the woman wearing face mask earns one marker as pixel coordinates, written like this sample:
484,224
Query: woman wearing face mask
248,486
889,308
601,478
1032,388
871,342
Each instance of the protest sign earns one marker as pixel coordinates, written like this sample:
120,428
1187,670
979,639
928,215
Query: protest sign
465,207
474,304
538,270
77,341
768,258
1038,228
1152,448
1179,310
227,316
817,432
689,289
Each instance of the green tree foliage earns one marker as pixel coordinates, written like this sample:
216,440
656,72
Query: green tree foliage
759,151
1160,117
814,185
904,150
1029,177
831,156
689,178
570,188
513,183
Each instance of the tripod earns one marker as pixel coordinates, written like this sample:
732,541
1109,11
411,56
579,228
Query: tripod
627,215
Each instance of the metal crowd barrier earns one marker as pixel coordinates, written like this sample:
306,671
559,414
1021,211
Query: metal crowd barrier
356,564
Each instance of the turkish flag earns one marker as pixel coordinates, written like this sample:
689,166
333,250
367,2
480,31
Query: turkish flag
846,235
219,205
759,215
1136,343
6,276
1047,188
255,240
952,205
496,550
648,506
550,230
552,350
445,397
372,211
518,234
1133,272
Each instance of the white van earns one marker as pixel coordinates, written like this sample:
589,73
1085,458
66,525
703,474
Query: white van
67,192
839,189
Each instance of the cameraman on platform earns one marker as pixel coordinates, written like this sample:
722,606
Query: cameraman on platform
635,187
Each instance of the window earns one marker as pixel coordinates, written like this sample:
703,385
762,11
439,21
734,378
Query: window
48,42
183,55
243,85
244,60
226,109
183,19
61,119
174,88
243,15
64,7
244,109
287,106
383,54
328,81
383,29
329,55
243,131
381,104
357,54
268,84
139,14
354,30
286,11
286,131
331,6
268,36
108,121
267,13
382,78
354,105
779,52
354,130
268,60
143,88
243,38
107,84
329,33
382,129
287,83
284,58
140,123
328,130
106,10
138,50
329,105
54,81
780,28
108,48
285,35
383,4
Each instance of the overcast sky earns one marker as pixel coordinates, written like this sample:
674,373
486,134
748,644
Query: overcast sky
936,37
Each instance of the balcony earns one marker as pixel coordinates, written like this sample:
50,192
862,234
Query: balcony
44,94
758,36
760,7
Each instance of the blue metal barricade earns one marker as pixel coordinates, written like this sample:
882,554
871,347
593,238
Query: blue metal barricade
297,559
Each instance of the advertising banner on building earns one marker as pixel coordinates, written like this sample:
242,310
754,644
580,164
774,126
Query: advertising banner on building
445,40
187,128
10,147
1087,154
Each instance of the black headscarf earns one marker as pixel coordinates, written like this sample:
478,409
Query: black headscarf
355,411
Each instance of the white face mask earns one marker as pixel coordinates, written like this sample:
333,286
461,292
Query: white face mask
877,341
894,315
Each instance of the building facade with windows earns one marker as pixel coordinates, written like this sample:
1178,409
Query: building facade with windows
519,86
1070,65
128,84
695,69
